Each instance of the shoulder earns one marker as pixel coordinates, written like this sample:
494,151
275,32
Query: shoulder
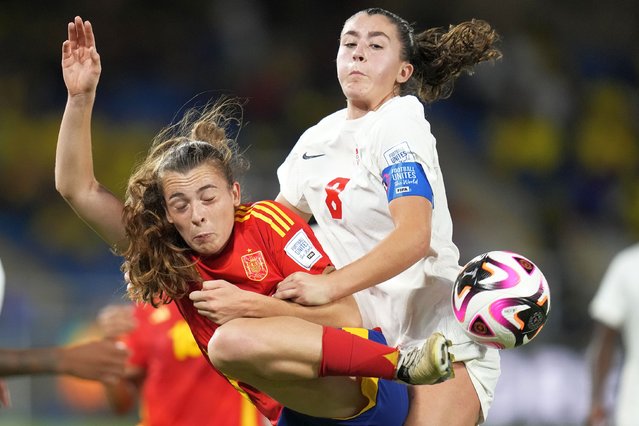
267,214
328,124
403,114
399,131
408,107
628,257
328,121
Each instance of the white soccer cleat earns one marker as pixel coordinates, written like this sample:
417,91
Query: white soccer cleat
427,364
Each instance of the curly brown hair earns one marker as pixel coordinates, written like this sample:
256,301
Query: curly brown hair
158,261
441,55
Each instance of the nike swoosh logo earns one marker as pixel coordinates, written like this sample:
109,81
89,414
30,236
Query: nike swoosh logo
306,156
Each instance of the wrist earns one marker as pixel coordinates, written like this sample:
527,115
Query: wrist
334,291
57,361
82,99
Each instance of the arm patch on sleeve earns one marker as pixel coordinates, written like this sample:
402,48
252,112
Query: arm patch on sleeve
301,250
407,178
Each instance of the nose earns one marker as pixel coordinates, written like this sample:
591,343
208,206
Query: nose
197,215
358,53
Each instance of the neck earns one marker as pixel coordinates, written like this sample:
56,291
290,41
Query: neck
357,109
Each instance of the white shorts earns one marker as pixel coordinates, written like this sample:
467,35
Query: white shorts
482,363
408,318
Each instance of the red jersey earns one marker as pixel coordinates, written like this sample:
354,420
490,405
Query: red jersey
268,243
179,386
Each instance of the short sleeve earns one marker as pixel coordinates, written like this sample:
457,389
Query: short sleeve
288,175
404,138
403,153
292,241
609,304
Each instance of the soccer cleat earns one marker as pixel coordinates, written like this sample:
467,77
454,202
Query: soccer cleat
427,364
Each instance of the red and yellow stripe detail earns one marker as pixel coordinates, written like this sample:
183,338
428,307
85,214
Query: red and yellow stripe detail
267,212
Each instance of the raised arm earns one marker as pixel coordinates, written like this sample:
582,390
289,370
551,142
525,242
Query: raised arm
74,176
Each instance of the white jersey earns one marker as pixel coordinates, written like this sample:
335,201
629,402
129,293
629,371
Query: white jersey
615,304
335,173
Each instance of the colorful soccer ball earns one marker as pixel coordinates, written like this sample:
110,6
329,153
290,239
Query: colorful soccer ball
501,299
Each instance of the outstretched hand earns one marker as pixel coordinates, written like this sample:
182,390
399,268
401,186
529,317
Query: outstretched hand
103,360
80,60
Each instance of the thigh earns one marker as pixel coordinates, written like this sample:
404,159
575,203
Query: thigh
452,403
387,406
322,397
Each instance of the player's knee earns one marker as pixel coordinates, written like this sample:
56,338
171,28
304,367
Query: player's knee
229,347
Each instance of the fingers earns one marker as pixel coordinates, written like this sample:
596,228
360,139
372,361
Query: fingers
80,33
213,284
95,57
196,296
79,30
285,293
72,35
66,49
88,34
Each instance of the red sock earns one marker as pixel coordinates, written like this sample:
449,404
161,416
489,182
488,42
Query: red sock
346,354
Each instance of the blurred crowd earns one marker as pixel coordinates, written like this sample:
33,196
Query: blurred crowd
540,150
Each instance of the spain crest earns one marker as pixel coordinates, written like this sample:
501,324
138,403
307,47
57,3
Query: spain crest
255,266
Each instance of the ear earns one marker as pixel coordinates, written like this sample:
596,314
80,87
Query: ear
168,216
405,72
236,194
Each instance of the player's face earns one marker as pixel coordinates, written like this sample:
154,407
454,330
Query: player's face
201,206
369,67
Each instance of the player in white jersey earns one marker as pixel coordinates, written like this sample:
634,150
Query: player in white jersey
369,174
614,310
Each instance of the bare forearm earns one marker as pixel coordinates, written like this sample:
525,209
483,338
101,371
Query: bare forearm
603,349
16,362
400,249
396,253
74,175
341,313
74,159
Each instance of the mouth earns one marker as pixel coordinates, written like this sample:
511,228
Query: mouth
355,72
203,236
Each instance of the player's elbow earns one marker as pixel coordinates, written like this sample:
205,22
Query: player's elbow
66,188
420,241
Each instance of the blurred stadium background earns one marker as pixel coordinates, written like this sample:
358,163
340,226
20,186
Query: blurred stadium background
540,152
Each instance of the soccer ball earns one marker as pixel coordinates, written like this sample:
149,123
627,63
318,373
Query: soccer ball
501,299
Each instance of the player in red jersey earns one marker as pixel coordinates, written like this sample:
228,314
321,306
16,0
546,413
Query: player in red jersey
167,373
101,360
183,224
